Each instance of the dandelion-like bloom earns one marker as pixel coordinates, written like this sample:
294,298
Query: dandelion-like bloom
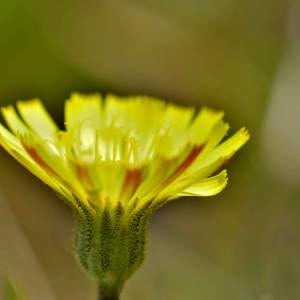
115,163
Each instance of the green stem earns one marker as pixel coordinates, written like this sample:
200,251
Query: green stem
106,295
103,297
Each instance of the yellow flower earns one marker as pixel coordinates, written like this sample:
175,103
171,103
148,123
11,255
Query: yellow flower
115,163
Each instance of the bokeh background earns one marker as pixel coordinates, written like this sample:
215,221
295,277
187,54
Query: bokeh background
239,56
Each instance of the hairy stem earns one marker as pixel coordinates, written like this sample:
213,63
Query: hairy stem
103,297
106,295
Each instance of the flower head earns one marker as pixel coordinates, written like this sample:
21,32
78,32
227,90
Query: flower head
115,163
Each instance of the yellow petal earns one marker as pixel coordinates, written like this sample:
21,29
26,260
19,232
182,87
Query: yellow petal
178,117
13,121
49,156
37,118
206,187
213,154
203,125
175,124
132,115
13,146
188,179
230,146
217,134
82,108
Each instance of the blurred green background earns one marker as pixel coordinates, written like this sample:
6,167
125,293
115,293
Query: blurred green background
239,56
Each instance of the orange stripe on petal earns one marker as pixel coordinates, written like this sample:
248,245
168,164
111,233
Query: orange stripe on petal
83,176
36,157
81,173
132,179
184,165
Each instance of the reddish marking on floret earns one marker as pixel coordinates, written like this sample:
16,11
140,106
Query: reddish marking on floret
189,160
185,164
81,172
37,158
83,175
132,179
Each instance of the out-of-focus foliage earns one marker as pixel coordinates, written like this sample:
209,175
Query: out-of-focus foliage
240,56
11,292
